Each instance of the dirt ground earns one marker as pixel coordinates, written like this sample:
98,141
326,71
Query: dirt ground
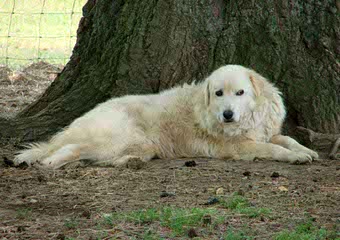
21,87
40,204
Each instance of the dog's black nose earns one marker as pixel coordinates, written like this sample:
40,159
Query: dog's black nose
228,115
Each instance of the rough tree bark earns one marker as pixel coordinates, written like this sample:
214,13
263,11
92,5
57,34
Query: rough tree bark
138,47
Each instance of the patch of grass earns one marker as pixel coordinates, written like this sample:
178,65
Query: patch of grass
306,231
254,212
24,213
107,219
178,220
236,235
71,223
149,235
242,205
145,216
235,202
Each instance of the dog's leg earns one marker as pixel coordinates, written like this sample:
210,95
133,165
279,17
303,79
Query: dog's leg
66,154
131,155
269,151
128,161
291,144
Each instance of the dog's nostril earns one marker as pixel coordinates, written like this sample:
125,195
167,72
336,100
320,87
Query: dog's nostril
228,115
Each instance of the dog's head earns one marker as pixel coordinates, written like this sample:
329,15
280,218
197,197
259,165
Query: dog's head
232,91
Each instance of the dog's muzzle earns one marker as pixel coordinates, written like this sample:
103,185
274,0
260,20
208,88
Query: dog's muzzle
228,116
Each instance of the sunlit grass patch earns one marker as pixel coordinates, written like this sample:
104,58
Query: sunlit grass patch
307,231
71,223
24,213
242,205
236,235
176,219
179,221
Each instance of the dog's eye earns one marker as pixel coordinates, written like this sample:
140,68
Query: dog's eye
219,93
240,92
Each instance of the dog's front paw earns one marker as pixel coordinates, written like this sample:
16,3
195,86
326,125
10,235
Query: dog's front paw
313,154
301,149
300,158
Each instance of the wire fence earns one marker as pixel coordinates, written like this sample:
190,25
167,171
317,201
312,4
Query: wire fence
38,30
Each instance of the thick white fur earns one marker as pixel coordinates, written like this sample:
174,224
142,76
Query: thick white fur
185,121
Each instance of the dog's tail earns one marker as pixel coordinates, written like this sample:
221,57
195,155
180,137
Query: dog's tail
35,152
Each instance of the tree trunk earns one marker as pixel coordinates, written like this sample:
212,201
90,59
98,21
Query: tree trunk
140,47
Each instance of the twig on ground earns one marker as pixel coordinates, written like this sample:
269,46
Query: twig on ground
333,153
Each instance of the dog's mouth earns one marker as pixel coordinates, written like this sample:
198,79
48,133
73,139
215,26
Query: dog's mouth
228,120
224,120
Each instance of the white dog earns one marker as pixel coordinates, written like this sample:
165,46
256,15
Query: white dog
234,114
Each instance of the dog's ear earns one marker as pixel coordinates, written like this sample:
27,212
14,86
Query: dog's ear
207,94
258,83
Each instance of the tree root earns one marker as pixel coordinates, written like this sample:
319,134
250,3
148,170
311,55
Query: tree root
333,154
322,142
